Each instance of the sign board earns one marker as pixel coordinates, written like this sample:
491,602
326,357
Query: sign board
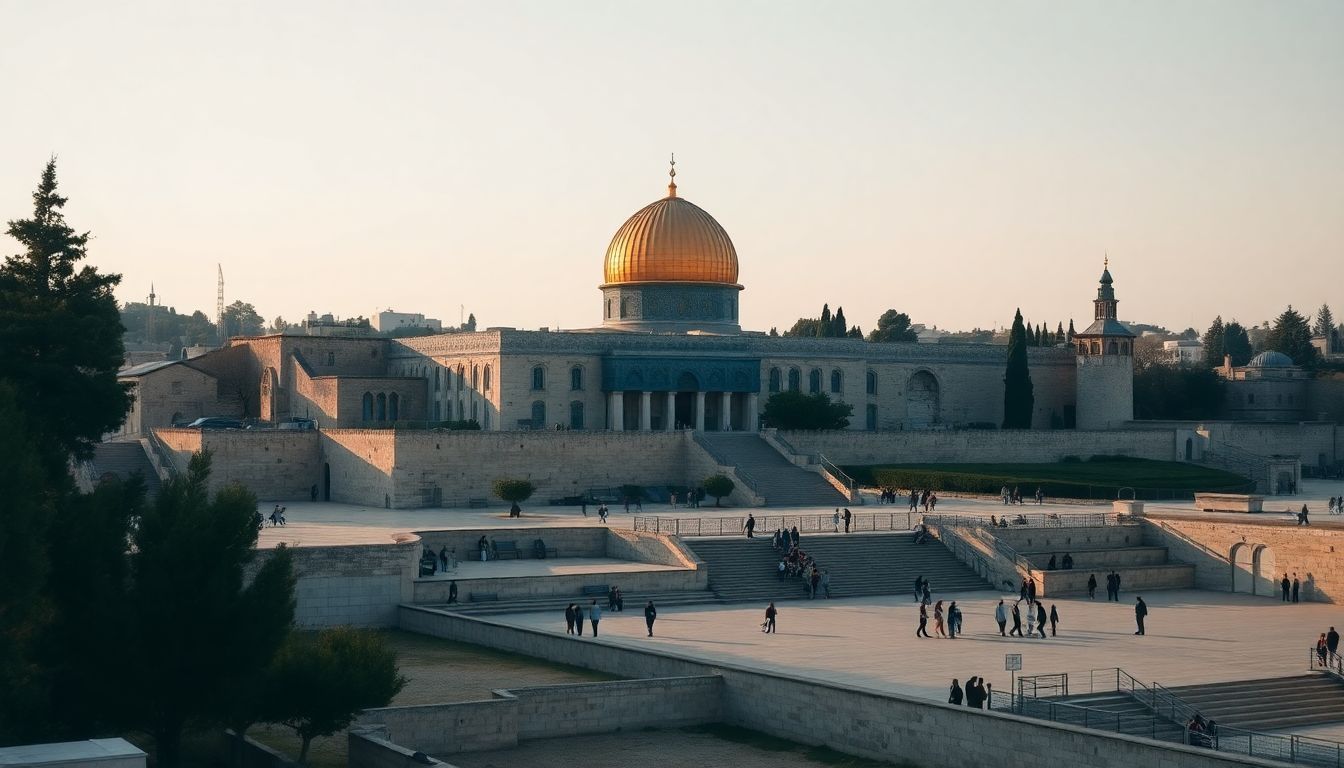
1012,662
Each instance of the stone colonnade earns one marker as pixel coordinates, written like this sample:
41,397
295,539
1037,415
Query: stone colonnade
748,404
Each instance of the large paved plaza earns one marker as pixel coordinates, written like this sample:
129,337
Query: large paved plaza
1193,636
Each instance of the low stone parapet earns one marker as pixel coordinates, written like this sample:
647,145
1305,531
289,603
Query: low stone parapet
1132,580
1229,502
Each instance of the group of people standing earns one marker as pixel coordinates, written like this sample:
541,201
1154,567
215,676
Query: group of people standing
1112,587
975,695
1291,589
1036,618
574,614
1336,505
1014,495
953,624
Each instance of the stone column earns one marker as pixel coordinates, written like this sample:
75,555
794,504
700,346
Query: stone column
726,412
670,419
753,417
699,411
645,411
616,411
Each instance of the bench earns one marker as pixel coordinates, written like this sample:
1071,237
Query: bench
596,590
484,597
505,549
477,503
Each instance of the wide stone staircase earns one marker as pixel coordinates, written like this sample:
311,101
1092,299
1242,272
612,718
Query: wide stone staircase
1115,711
124,458
633,601
781,482
742,569
1270,704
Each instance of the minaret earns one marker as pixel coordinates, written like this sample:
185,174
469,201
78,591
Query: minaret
149,318
1105,363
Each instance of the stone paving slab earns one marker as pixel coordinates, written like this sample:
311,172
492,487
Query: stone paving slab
562,566
1192,637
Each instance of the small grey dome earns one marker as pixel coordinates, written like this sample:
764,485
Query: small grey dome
1270,359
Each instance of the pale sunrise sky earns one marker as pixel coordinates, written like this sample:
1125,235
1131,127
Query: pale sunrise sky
951,160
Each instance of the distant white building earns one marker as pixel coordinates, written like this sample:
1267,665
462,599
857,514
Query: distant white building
387,320
927,335
1184,351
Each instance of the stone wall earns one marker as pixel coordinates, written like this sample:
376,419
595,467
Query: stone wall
1263,550
549,711
368,748
641,547
568,542
980,446
853,720
359,463
435,591
1033,539
358,584
276,465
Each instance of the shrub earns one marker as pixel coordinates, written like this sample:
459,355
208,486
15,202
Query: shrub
718,486
514,490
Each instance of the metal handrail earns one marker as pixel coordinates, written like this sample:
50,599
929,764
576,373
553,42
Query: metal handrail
1333,663
723,461
837,472
1187,540
766,524
1045,520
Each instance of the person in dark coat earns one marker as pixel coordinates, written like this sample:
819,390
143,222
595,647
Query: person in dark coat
569,619
1116,576
1297,585
1285,585
1022,593
650,615
954,695
1054,619
770,614
793,535
1017,621
751,525
452,592
923,630
1041,618
1332,643
1092,587
1050,566
1031,590
1140,611
847,516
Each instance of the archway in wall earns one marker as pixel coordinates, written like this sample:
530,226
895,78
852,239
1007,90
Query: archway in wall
1189,449
1263,568
1242,565
921,400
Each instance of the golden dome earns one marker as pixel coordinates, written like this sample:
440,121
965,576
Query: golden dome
671,240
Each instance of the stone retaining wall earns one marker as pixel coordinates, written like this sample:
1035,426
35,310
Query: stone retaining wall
359,584
981,446
435,591
1061,540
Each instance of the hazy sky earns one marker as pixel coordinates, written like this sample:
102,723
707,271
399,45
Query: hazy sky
951,160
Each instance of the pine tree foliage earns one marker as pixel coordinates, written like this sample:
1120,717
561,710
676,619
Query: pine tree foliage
1018,399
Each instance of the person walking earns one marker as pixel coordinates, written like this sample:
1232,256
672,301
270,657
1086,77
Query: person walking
1001,616
569,619
954,695
835,521
1017,621
928,593
923,630
938,619
793,535
751,525
919,588
443,558
826,583
1284,586
650,615
953,620
847,517
1092,586
814,582
594,615
1031,619
1022,593
972,693
1297,585
1321,649
770,614
1116,576
1140,611
1054,619
1332,643
1302,516
1031,589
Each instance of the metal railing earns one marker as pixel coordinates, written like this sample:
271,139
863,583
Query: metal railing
1332,664
723,461
1044,520
1188,540
965,552
1167,719
766,524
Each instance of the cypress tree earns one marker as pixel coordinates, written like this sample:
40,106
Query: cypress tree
1072,333
838,324
824,329
1214,345
1059,333
1018,399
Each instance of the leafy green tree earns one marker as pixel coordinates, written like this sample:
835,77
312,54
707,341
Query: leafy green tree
318,685
1214,341
1175,392
24,607
470,325
795,410
514,491
194,627
1237,343
1018,399
1291,335
241,319
718,486
893,326
60,332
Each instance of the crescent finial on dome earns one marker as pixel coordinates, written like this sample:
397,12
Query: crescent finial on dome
672,176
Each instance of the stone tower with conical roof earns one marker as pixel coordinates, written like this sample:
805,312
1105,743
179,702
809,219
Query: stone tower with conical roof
1105,359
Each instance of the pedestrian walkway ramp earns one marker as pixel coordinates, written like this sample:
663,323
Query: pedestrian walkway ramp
742,569
779,480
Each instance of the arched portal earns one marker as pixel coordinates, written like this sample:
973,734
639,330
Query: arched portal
1189,449
1262,566
921,400
1242,577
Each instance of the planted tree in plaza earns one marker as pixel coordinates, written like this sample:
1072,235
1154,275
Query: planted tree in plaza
1018,399
319,683
796,410
195,628
515,492
718,486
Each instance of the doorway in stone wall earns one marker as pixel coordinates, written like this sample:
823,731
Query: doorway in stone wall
1263,566
1243,578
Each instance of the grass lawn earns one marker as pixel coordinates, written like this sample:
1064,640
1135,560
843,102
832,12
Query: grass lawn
1098,478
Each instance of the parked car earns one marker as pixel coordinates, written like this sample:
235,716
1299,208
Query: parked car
297,423
216,422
